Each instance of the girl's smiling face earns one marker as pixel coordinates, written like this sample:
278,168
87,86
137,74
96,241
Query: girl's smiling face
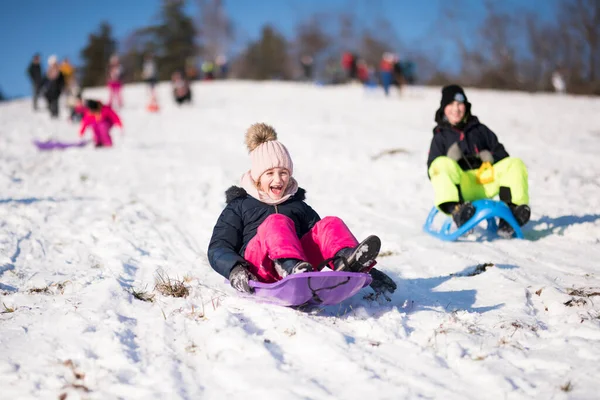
274,181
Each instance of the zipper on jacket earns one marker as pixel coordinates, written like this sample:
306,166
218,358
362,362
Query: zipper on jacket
276,210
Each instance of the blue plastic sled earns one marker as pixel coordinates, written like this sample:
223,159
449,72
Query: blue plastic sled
487,210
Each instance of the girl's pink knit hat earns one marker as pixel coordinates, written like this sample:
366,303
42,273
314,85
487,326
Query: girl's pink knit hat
266,151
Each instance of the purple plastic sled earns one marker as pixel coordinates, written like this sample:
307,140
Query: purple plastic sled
314,288
54,144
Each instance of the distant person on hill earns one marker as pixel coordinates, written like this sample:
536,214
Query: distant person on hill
362,72
348,64
150,72
181,88
53,85
114,82
78,109
68,72
34,71
208,70
222,66
398,77
306,62
150,76
267,232
386,70
558,82
101,118
467,162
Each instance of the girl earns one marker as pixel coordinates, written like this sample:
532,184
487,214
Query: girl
267,231
467,162
101,119
115,72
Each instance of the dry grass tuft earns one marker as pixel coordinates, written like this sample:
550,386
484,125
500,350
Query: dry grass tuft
170,287
7,310
387,253
480,269
584,292
142,295
389,152
77,382
567,387
575,302
44,290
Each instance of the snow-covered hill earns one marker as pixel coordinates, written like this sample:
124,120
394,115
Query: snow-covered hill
80,229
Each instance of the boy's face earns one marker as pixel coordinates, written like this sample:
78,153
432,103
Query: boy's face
455,112
274,182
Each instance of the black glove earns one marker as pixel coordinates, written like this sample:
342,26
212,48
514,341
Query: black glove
381,282
454,152
486,156
239,277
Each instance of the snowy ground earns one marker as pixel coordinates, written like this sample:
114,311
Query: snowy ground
80,229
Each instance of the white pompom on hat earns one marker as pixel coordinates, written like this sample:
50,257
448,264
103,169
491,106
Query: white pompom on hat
52,59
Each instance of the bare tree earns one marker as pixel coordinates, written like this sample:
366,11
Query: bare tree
311,38
215,28
580,23
347,31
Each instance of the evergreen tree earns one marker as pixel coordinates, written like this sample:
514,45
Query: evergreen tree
267,58
2,97
175,38
96,55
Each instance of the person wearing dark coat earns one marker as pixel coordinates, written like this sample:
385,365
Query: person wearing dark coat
267,231
467,162
53,85
34,71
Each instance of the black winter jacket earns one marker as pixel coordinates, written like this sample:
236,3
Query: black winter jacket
52,88
35,73
240,219
472,138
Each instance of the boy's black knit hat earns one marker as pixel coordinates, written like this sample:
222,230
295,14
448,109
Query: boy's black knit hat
451,93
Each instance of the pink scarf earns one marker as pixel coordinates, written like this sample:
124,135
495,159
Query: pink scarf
250,186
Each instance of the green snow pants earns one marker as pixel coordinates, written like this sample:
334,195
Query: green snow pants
510,176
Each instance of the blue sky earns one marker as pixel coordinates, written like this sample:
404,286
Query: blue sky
61,27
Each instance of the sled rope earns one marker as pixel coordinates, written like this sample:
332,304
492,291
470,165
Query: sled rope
326,262
314,292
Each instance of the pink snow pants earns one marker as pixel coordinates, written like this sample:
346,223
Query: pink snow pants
114,94
102,133
276,238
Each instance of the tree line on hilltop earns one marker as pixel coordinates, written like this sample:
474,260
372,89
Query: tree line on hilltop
512,50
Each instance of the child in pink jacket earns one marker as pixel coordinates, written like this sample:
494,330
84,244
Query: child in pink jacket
101,119
267,231
114,82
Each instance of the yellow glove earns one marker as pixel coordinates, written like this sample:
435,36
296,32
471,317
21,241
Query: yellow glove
485,174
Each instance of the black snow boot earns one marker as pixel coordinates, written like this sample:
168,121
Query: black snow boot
358,258
522,213
462,212
289,266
